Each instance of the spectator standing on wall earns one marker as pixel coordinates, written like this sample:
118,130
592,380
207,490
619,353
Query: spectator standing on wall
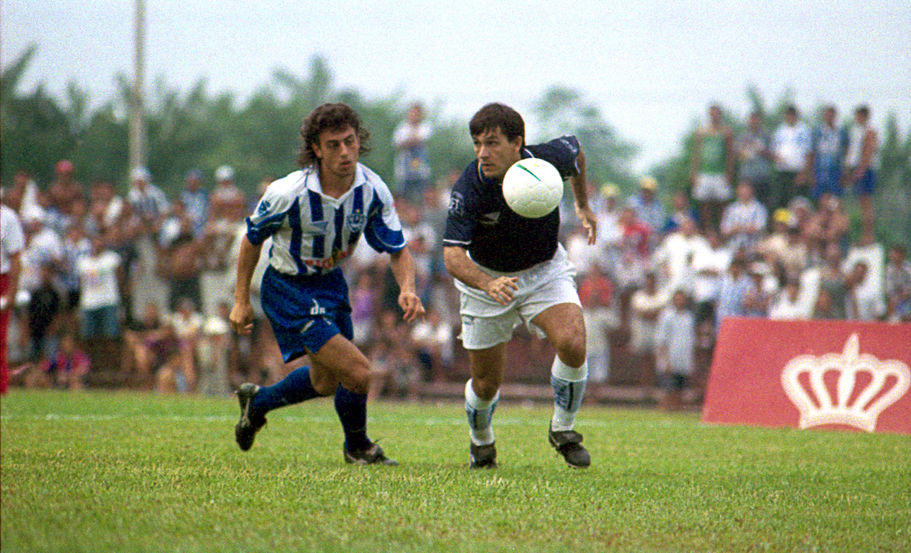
829,144
744,221
752,147
861,159
99,291
648,209
712,166
412,168
792,146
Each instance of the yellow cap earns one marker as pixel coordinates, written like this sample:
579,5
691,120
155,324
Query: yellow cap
610,190
782,215
648,183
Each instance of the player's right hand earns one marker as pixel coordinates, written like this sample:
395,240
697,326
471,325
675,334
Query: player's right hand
501,289
241,317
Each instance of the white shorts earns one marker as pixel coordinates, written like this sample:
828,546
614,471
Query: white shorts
486,323
711,187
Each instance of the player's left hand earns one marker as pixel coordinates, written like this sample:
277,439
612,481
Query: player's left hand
411,305
589,222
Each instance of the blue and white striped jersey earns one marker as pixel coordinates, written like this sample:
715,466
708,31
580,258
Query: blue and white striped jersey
312,232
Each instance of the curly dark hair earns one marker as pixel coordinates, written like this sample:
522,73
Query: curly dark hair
331,117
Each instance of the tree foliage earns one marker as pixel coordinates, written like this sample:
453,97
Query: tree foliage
259,137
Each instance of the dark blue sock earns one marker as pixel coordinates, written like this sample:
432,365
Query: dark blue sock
352,412
294,388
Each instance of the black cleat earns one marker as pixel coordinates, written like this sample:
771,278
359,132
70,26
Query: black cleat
483,456
568,443
246,428
373,455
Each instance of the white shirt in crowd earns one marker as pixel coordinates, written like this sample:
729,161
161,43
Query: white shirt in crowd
98,278
791,146
12,239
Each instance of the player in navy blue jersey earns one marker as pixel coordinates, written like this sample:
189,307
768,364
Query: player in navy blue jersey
315,217
512,270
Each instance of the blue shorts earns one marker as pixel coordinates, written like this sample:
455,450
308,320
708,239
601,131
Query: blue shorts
306,311
866,185
828,182
100,322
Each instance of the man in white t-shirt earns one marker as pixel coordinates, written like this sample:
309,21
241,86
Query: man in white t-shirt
12,241
99,292
792,148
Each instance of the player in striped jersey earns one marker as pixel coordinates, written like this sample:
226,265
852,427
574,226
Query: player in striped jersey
315,217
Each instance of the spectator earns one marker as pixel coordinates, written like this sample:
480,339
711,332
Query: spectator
675,343
864,303
752,148
635,251
829,144
433,342
712,166
898,285
140,346
106,207
646,304
100,273
648,209
44,249
364,303
180,374
758,297
792,149
12,242
412,168
180,257
832,282
43,308
595,293
861,159
680,211
709,266
744,221
148,201
68,366
195,200
609,232
829,225
213,354
731,293
788,304
65,189
674,256
226,199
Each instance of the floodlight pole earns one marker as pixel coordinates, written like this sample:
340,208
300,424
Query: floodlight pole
137,121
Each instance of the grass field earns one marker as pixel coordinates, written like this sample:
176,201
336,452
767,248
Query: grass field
130,472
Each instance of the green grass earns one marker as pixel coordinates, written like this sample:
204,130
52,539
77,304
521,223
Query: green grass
130,472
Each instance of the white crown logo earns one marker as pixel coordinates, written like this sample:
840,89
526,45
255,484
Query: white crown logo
860,413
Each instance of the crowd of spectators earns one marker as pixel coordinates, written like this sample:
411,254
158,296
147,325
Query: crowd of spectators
139,286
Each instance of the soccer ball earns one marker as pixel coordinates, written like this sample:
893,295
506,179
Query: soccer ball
532,187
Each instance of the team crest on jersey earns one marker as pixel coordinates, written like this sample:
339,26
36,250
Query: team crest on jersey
356,221
263,207
456,204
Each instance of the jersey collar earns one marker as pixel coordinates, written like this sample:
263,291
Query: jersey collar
524,154
312,182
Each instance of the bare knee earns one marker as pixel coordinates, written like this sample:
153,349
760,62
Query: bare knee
570,347
485,387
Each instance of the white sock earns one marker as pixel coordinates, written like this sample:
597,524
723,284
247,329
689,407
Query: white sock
480,416
569,387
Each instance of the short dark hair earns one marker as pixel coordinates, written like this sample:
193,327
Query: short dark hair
792,109
498,116
329,117
863,109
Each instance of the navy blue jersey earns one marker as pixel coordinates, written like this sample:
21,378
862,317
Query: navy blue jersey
495,236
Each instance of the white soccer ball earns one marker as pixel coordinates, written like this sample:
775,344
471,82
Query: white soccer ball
532,187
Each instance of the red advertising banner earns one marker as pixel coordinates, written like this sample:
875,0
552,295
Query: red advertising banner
811,374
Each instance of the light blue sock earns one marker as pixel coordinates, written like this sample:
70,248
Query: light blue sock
569,388
480,416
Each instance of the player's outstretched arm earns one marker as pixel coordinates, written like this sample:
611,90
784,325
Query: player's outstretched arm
460,266
242,313
402,266
579,183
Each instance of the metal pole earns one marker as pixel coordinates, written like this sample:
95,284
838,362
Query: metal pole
137,121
